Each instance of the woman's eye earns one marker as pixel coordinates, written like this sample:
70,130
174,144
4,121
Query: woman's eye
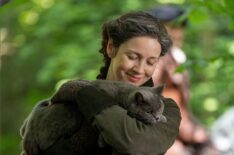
132,57
151,63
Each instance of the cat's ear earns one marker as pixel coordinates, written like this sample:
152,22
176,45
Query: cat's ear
139,98
159,89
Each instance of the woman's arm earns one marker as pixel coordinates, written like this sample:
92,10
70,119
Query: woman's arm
126,134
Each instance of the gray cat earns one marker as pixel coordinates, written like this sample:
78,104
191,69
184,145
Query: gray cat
142,103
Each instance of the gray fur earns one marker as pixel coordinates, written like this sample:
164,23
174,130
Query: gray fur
143,103
41,131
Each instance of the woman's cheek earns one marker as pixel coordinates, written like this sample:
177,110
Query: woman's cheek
127,65
150,71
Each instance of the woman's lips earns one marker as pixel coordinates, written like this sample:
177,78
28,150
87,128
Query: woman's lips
133,79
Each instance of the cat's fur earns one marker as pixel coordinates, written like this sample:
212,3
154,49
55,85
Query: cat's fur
40,132
143,103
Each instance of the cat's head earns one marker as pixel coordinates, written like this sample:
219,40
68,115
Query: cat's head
146,102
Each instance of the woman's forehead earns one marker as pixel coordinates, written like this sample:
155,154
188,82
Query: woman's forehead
142,45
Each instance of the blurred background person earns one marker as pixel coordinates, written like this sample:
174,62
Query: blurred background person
3,2
193,137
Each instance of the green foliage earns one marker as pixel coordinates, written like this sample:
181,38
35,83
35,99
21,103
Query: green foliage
44,42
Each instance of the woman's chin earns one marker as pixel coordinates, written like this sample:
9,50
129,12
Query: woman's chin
134,83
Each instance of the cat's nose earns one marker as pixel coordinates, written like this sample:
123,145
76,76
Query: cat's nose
161,118
158,118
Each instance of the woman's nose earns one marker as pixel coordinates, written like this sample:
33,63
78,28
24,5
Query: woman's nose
139,68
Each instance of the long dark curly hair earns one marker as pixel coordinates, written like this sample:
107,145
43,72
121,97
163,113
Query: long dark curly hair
127,26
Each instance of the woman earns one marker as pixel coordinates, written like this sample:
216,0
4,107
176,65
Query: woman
131,46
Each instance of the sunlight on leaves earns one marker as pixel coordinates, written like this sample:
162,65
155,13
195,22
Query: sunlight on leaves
3,34
44,3
131,5
231,48
210,104
198,16
213,67
29,17
171,1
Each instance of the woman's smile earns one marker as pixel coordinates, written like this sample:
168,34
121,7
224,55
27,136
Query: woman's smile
133,78
134,61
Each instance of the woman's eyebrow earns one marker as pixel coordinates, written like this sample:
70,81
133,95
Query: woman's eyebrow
131,51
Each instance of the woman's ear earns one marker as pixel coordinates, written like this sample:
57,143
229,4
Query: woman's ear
111,52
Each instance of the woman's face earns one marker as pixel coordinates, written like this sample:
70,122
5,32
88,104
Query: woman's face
134,61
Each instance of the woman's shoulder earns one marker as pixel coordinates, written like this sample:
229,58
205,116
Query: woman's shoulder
169,102
171,110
